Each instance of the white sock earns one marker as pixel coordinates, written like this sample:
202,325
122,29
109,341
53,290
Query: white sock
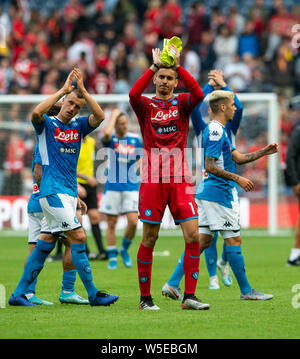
213,278
223,263
29,295
295,253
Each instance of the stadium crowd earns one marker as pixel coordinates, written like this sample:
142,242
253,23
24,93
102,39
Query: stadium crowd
111,42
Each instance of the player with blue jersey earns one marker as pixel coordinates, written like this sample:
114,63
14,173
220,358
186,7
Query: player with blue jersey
217,198
35,216
122,185
59,140
171,288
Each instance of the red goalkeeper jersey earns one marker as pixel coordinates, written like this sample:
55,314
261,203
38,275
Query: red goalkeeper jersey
164,126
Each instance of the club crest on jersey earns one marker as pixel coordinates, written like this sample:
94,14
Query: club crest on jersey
67,135
163,115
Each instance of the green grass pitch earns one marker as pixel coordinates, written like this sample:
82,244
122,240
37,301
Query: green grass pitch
228,317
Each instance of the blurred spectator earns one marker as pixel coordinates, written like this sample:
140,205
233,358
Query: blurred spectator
236,20
55,28
225,46
14,165
5,21
82,44
191,62
282,72
279,26
248,41
197,22
3,145
101,83
259,15
207,54
23,68
237,74
171,19
5,75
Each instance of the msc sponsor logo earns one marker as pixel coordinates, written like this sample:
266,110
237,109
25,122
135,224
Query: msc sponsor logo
67,135
166,129
71,151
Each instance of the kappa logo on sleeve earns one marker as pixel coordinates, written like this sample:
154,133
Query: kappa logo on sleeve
214,134
67,135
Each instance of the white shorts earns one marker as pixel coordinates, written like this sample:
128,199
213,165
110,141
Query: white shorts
119,202
212,217
34,226
60,213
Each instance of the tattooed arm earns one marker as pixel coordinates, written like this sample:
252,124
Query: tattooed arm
211,167
241,158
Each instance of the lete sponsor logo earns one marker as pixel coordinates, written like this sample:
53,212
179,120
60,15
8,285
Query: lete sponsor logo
67,135
124,148
165,115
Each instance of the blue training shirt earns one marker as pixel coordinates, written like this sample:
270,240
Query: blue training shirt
122,157
34,203
59,147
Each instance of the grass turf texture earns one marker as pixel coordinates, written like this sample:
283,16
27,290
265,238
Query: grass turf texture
228,317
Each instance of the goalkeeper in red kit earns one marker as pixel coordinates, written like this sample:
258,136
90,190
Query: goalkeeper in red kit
164,123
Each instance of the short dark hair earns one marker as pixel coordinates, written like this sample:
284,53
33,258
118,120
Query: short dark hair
169,68
214,105
119,116
77,92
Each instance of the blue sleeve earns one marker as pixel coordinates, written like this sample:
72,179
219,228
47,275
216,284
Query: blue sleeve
85,126
198,123
213,143
235,123
36,156
214,148
40,127
207,89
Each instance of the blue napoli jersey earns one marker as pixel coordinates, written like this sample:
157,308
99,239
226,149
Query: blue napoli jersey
216,143
59,147
122,170
34,203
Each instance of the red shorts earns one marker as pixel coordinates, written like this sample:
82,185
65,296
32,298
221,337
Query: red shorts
154,197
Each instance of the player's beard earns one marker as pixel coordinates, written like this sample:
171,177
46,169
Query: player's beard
164,90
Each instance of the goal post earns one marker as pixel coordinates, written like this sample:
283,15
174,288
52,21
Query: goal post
262,104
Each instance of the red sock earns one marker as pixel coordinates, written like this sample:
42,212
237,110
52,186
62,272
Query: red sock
144,265
191,263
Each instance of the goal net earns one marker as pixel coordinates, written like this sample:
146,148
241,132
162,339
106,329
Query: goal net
270,205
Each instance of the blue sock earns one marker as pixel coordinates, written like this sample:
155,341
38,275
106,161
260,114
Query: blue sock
83,268
31,288
224,255
211,256
237,264
126,243
34,265
68,281
178,273
112,253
